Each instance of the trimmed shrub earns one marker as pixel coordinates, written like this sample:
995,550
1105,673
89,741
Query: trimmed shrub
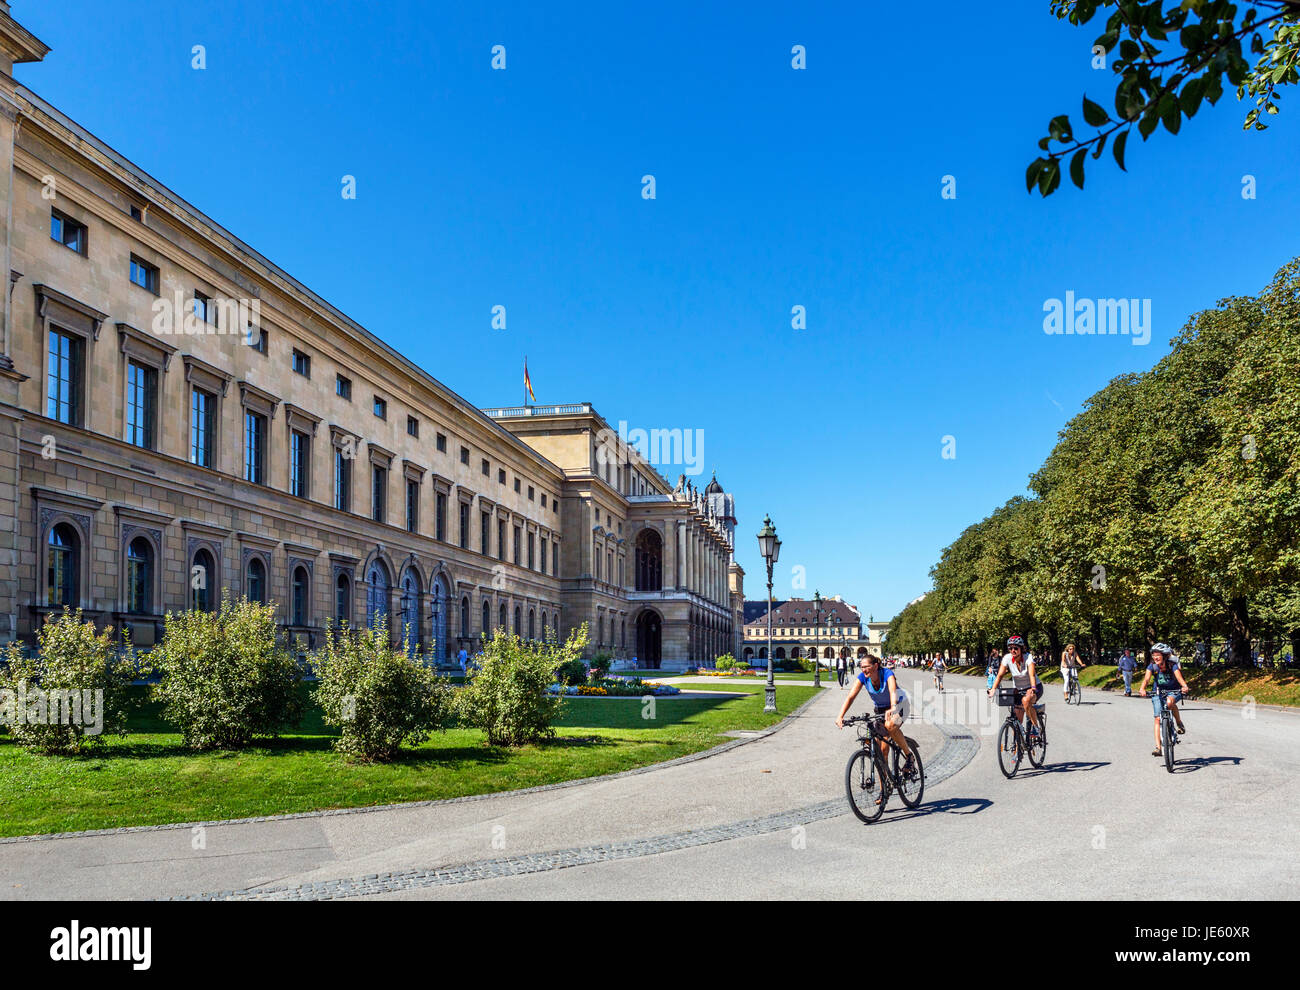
377,695
600,666
571,672
226,676
724,662
507,697
76,677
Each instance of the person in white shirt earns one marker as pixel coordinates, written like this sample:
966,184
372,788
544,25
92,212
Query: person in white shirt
1020,665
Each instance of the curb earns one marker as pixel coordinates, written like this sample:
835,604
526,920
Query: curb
330,812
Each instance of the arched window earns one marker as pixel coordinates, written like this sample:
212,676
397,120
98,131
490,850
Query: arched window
410,630
487,618
464,618
518,620
300,598
622,634
532,619
503,625
139,577
203,573
544,627
376,594
64,578
343,599
256,580
649,561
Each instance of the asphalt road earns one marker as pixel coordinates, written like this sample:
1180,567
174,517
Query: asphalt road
768,819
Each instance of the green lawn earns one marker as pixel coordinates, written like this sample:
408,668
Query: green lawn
147,778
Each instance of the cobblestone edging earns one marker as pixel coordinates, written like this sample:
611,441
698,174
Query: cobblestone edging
960,747
330,812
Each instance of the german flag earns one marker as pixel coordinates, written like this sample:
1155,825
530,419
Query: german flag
528,383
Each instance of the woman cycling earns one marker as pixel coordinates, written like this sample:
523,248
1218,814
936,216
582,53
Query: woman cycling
1170,686
889,698
1023,675
1070,665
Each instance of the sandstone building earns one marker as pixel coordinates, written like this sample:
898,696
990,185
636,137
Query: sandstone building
801,629
180,418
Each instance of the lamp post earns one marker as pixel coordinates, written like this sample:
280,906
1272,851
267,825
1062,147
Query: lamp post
770,549
817,640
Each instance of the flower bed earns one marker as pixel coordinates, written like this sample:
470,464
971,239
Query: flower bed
615,688
705,672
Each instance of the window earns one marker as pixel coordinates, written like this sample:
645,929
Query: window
530,493
342,480
442,443
486,469
378,492
137,213
144,274
544,555
299,463
63,582
68,232
501,476
412,505
300,598
343,599
141,393
256,581
484,530
254,448
531,542
203,573
66,373
487,618
555,559
412,426
302,363
256,339
464,525
381,407
501,539
343,387
518,612
203,407
139,577
464,455
516,484
532,624
543,500
203,310
440,520
517,546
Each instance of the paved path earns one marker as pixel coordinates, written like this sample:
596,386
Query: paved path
767,819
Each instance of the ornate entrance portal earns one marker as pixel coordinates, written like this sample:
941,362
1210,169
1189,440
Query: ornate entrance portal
649,644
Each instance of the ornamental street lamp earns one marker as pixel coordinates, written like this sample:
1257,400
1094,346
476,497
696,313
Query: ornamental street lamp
770,549
817,654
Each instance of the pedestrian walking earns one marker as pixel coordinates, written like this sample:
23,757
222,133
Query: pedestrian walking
1126,667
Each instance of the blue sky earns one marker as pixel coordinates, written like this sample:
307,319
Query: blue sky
775,188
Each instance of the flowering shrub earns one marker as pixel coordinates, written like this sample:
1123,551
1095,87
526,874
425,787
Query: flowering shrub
616,688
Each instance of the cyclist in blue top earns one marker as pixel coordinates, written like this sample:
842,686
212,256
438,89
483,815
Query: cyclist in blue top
1169,686
889,698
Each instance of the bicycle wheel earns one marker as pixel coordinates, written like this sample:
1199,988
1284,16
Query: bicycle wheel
864,784
1036,743
1010,748
912,785
1167,741
1076,693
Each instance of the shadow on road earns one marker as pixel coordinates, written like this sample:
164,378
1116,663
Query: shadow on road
1070,767
1192,765
948,806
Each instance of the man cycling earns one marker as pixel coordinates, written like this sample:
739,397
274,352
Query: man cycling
1170,686
1071,663
1023,676
940,667
889,698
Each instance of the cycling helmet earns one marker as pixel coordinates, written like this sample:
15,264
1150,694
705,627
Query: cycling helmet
1164,648
1015,641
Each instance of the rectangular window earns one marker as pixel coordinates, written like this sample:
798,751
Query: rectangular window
144,274
464,455
484,533
543,560
254,448
442,443
378,492
530,493
486,469
65,376
302,363
412,505
68,232
555,559
342,480
501,539
543,500
299,463
516,484
141,393
532,565
412,426
203,310
501,476
343,387
381,407
518,541
440,521
464,525
203,409
256,339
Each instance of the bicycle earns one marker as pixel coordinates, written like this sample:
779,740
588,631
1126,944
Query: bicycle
1074,694
1016,741
1168,730
868,775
